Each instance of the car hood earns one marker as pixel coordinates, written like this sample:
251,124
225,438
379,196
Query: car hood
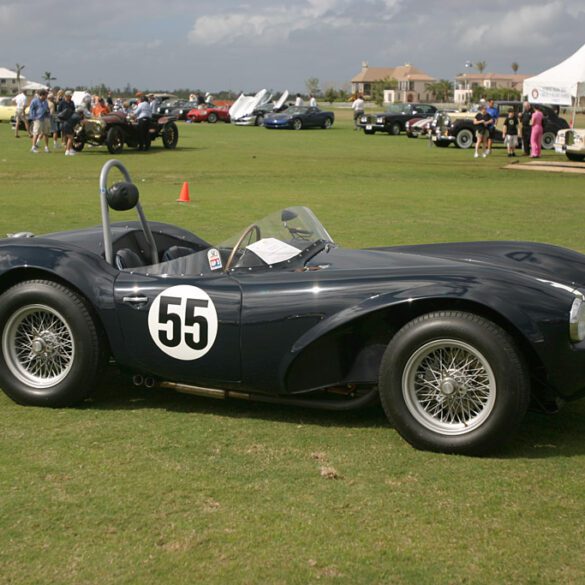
541,261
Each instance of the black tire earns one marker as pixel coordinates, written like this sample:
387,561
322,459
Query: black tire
212,118
115,140
50,351
441,144
259,120
464,138
77,145
327,124
469,399
411,135
369,131
548,140
395,129
170,135
575,157
297,124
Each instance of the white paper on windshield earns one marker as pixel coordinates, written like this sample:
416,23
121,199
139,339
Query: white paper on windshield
272,251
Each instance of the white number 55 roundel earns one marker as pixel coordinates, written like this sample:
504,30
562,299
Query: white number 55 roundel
183,322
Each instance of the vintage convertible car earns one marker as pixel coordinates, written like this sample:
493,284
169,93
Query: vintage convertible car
299,117
454,339
7,109
394,119
117,129
571,143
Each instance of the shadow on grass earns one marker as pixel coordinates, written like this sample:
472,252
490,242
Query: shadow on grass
154,150
117,393
540,436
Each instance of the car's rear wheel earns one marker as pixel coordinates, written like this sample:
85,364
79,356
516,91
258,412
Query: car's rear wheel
454,382
464,138
548,140
50,352
327,123
212,118
115,140
259,120
297,124
575,157
395,129
170,135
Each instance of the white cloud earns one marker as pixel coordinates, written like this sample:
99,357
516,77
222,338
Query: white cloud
276,25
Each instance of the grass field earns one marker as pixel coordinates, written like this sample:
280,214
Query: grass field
150,486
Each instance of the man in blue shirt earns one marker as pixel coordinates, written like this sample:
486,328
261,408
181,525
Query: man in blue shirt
495,114
40,116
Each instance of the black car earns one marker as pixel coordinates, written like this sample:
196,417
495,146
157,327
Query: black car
458,128
455,340
393,120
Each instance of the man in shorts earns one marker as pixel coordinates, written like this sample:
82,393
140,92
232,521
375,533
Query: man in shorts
20,114
495,114
481,123
41,120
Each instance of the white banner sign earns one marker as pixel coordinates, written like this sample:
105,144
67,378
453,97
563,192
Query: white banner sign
549,95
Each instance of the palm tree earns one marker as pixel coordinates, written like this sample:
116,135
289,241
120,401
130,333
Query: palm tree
480,66
19,68
47,76
440,89
515,67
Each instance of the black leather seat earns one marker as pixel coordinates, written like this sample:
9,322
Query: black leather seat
126,258
176,252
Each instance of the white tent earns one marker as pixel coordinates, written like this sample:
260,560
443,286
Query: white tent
560,84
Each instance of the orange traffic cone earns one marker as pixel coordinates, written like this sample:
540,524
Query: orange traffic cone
184,196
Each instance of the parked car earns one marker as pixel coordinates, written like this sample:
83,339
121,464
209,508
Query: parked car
458,128
117,129
299,117
209,113
393,120
454,339
571,143
179,110
418,127
7,109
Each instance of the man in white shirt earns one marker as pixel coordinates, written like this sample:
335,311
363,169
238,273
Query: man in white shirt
143,114
312,101
20,115
298,100
358,110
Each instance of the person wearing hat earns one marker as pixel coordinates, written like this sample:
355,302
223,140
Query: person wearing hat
41,120
69,119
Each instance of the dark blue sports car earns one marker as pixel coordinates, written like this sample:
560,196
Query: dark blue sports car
299,117
455,340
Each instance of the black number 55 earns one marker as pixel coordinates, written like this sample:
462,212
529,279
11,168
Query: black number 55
179,323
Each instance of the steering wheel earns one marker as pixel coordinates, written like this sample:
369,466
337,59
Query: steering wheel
247,232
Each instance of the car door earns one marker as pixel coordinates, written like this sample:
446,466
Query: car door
180,327
313,118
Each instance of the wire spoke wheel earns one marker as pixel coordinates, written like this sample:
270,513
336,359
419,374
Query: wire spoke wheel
38,346
449,387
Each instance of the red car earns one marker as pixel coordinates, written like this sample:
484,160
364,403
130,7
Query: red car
209,113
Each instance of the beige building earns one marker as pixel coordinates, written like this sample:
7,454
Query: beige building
411,83
467,82
9,85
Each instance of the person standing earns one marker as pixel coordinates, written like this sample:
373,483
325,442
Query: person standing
536,133
481,122
40,117
494,114
312,101
143,114
298,100
510,132
68,118
358,110
525,118
20,114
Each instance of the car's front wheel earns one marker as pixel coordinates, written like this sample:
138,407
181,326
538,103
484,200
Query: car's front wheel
297,124
464,138
170,135
50,352
454,382
115,140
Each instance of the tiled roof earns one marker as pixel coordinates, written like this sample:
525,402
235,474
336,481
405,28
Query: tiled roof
401,73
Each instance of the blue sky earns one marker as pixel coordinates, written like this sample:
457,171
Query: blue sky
276,45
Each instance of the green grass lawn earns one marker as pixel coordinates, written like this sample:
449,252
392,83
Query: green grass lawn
149,486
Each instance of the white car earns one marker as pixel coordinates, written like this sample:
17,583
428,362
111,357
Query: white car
571,142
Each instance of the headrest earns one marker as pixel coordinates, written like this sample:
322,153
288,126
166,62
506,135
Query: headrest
122,196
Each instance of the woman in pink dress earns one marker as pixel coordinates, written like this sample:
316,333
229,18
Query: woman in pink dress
536,133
